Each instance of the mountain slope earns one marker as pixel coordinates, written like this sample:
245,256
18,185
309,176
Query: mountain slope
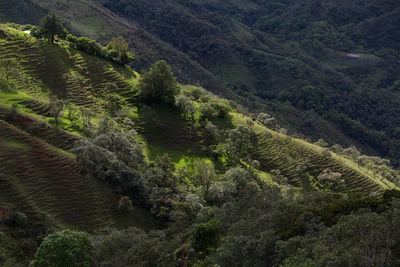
286,58
40,178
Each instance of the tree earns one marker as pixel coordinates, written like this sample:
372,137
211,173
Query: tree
159,84
185,105
331,180
205,174
56,108
112,157
115,103
206,236
321,143
51,26
351,152
278,177
121,46
125,204
268,121
72,111
86,120
64,249
238,143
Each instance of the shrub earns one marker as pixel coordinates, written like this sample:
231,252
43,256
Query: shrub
125,204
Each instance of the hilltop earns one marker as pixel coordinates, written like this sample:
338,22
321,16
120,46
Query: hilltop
70,169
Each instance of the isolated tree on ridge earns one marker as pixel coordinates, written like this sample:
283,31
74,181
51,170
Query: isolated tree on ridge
51,26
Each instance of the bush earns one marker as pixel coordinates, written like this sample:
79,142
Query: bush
125,204
89,46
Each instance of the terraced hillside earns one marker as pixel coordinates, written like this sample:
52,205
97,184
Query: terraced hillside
51,181
39,177
276,151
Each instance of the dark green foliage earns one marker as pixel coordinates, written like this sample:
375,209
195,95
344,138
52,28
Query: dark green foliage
51,26
206,236
86,45
288,58
159,84
259,227
64,249
91,47
391,194
17,219
120,46
36,32
336,207
125,205
115,103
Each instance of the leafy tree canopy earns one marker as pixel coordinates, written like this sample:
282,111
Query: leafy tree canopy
159,84
64,249
51,25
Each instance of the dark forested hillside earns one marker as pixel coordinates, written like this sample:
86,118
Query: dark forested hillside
326,69
291,57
